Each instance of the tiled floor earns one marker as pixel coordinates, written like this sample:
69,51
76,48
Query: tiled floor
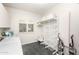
35,49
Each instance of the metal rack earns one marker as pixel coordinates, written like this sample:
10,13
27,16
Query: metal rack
41,23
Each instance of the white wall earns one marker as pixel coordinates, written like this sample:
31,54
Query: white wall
4,17
19,16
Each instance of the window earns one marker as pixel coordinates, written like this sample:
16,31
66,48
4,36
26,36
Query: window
30,28
22,27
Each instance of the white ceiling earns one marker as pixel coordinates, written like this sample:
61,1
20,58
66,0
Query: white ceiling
38,8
